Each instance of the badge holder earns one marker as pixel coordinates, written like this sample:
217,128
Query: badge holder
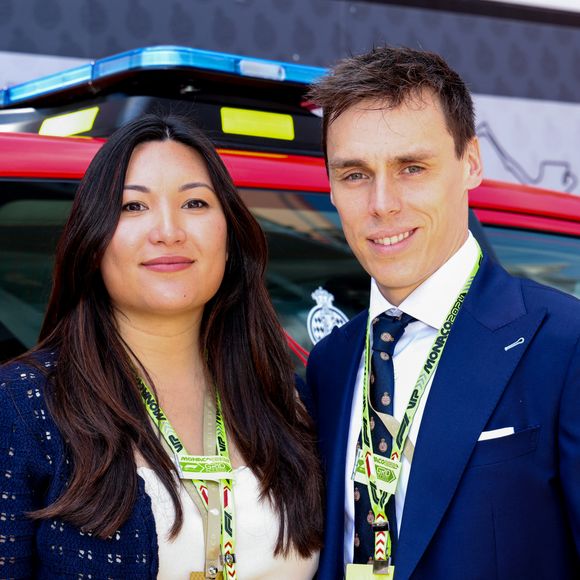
367,572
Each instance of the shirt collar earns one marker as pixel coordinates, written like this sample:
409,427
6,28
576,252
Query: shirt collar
431,301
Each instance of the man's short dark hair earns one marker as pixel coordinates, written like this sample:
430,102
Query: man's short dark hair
395,75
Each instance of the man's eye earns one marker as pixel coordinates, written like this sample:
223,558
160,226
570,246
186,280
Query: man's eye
194,204
356,176
133,206
413,169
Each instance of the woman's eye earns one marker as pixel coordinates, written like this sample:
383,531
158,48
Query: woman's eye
133,206
194,204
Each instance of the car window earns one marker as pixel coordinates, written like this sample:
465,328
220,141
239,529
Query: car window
31,218
307,254
548,258
313,278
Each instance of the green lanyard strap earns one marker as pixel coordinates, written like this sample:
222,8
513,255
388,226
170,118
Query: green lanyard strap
202,468
381,474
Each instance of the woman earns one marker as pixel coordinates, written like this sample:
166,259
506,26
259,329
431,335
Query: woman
159,331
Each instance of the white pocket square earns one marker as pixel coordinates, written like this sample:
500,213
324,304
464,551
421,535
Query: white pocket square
496,433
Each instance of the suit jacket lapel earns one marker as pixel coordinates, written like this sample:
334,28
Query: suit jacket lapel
474,370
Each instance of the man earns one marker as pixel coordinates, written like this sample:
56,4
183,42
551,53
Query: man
488,484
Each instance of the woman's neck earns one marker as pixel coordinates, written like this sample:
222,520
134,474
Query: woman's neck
167,347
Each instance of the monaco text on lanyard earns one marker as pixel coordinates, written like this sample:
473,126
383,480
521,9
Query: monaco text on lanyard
381,474
201,468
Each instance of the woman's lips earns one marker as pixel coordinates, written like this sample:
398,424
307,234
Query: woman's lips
168,264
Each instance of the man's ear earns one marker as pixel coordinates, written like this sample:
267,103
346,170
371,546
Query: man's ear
473,164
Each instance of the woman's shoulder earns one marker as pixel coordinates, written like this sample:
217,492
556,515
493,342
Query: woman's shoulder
26,425
23,384
31,366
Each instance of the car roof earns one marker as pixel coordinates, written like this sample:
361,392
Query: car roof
37,157
517,205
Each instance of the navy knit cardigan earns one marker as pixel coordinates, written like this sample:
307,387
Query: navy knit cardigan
33,472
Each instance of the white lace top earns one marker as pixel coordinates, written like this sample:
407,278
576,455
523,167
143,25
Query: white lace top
256,532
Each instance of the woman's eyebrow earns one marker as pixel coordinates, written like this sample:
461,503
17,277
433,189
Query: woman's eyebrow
195,184
184,187
140,188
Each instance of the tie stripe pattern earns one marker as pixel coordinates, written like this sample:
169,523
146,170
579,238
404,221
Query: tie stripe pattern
386,332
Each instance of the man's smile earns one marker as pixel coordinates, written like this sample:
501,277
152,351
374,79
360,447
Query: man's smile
392,240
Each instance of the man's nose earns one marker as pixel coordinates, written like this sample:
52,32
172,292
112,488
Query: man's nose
385,197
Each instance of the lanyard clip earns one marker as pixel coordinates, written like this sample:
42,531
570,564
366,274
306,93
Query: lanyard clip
212,572
382,567
228,559
381,526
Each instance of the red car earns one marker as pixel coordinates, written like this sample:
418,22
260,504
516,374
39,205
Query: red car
313,278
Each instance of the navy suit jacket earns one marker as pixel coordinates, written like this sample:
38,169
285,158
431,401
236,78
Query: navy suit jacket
505,508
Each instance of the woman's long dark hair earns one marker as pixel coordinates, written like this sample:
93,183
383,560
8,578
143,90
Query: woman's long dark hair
94,397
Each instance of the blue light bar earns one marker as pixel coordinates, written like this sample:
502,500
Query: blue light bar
57,81
160,57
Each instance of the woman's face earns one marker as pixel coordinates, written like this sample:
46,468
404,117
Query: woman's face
169,251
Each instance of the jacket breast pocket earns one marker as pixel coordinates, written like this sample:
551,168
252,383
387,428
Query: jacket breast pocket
505,448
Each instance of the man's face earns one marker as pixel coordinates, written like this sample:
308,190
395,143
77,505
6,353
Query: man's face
400,190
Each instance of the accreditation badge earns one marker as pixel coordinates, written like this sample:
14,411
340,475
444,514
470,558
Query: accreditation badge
201,467
365,572
387,472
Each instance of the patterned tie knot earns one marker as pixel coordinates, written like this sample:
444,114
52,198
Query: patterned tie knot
386,332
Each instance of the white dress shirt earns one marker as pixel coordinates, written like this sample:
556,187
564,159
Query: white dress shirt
429,304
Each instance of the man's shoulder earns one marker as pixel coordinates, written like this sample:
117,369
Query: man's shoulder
556,302
501,293
561,322
355,326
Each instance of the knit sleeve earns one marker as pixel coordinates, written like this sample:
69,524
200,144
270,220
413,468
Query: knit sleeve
22,463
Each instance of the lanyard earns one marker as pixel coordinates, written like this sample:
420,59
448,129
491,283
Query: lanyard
201,469
381,474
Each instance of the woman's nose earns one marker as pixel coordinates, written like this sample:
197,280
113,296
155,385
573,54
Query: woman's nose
167,229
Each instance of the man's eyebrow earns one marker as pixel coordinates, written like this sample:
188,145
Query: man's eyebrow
184,187
404,158
413,156
345,163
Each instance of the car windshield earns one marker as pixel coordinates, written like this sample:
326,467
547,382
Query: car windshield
313,278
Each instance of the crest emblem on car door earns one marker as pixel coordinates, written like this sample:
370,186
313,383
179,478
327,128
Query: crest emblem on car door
324,316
